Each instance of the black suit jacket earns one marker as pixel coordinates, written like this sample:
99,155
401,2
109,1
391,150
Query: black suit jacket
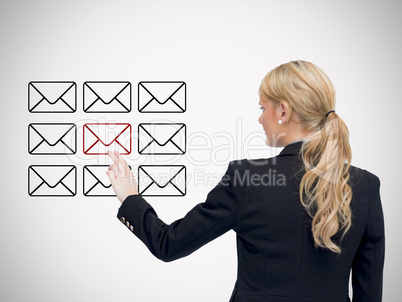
277,260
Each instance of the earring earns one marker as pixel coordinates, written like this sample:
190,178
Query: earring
280,122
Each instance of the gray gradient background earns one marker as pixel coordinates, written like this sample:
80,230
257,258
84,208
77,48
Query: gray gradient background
74,249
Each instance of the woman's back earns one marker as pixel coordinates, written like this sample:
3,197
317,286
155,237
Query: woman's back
278,260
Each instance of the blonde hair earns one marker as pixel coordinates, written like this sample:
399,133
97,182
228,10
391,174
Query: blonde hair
326,153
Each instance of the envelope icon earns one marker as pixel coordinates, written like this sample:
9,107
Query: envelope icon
52,97
96,181
52,138
157,180
107,97
160,97
45,180
99,138
162,138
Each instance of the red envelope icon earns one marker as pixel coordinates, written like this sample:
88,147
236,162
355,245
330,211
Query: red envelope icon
99,138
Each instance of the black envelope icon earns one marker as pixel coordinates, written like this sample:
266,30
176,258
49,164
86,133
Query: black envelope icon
52,97
161,97
47,180
52,138
107,97
162,180
162,138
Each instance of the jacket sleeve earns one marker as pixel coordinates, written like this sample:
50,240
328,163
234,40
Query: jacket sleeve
203,223
367,270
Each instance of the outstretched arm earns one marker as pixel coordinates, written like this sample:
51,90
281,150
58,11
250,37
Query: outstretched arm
203,223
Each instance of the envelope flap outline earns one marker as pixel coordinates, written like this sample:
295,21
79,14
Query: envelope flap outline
169,173
52,177
123,127
50,134
52,92
162,91
162,134
107,92
95,172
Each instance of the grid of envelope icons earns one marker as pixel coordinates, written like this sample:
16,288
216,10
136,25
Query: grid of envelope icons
46,138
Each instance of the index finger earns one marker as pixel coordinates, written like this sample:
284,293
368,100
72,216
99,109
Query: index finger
113,156
119,161
122,164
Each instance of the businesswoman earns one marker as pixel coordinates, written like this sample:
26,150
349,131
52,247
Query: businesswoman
299,239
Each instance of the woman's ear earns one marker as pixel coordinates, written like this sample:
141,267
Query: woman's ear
283,112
